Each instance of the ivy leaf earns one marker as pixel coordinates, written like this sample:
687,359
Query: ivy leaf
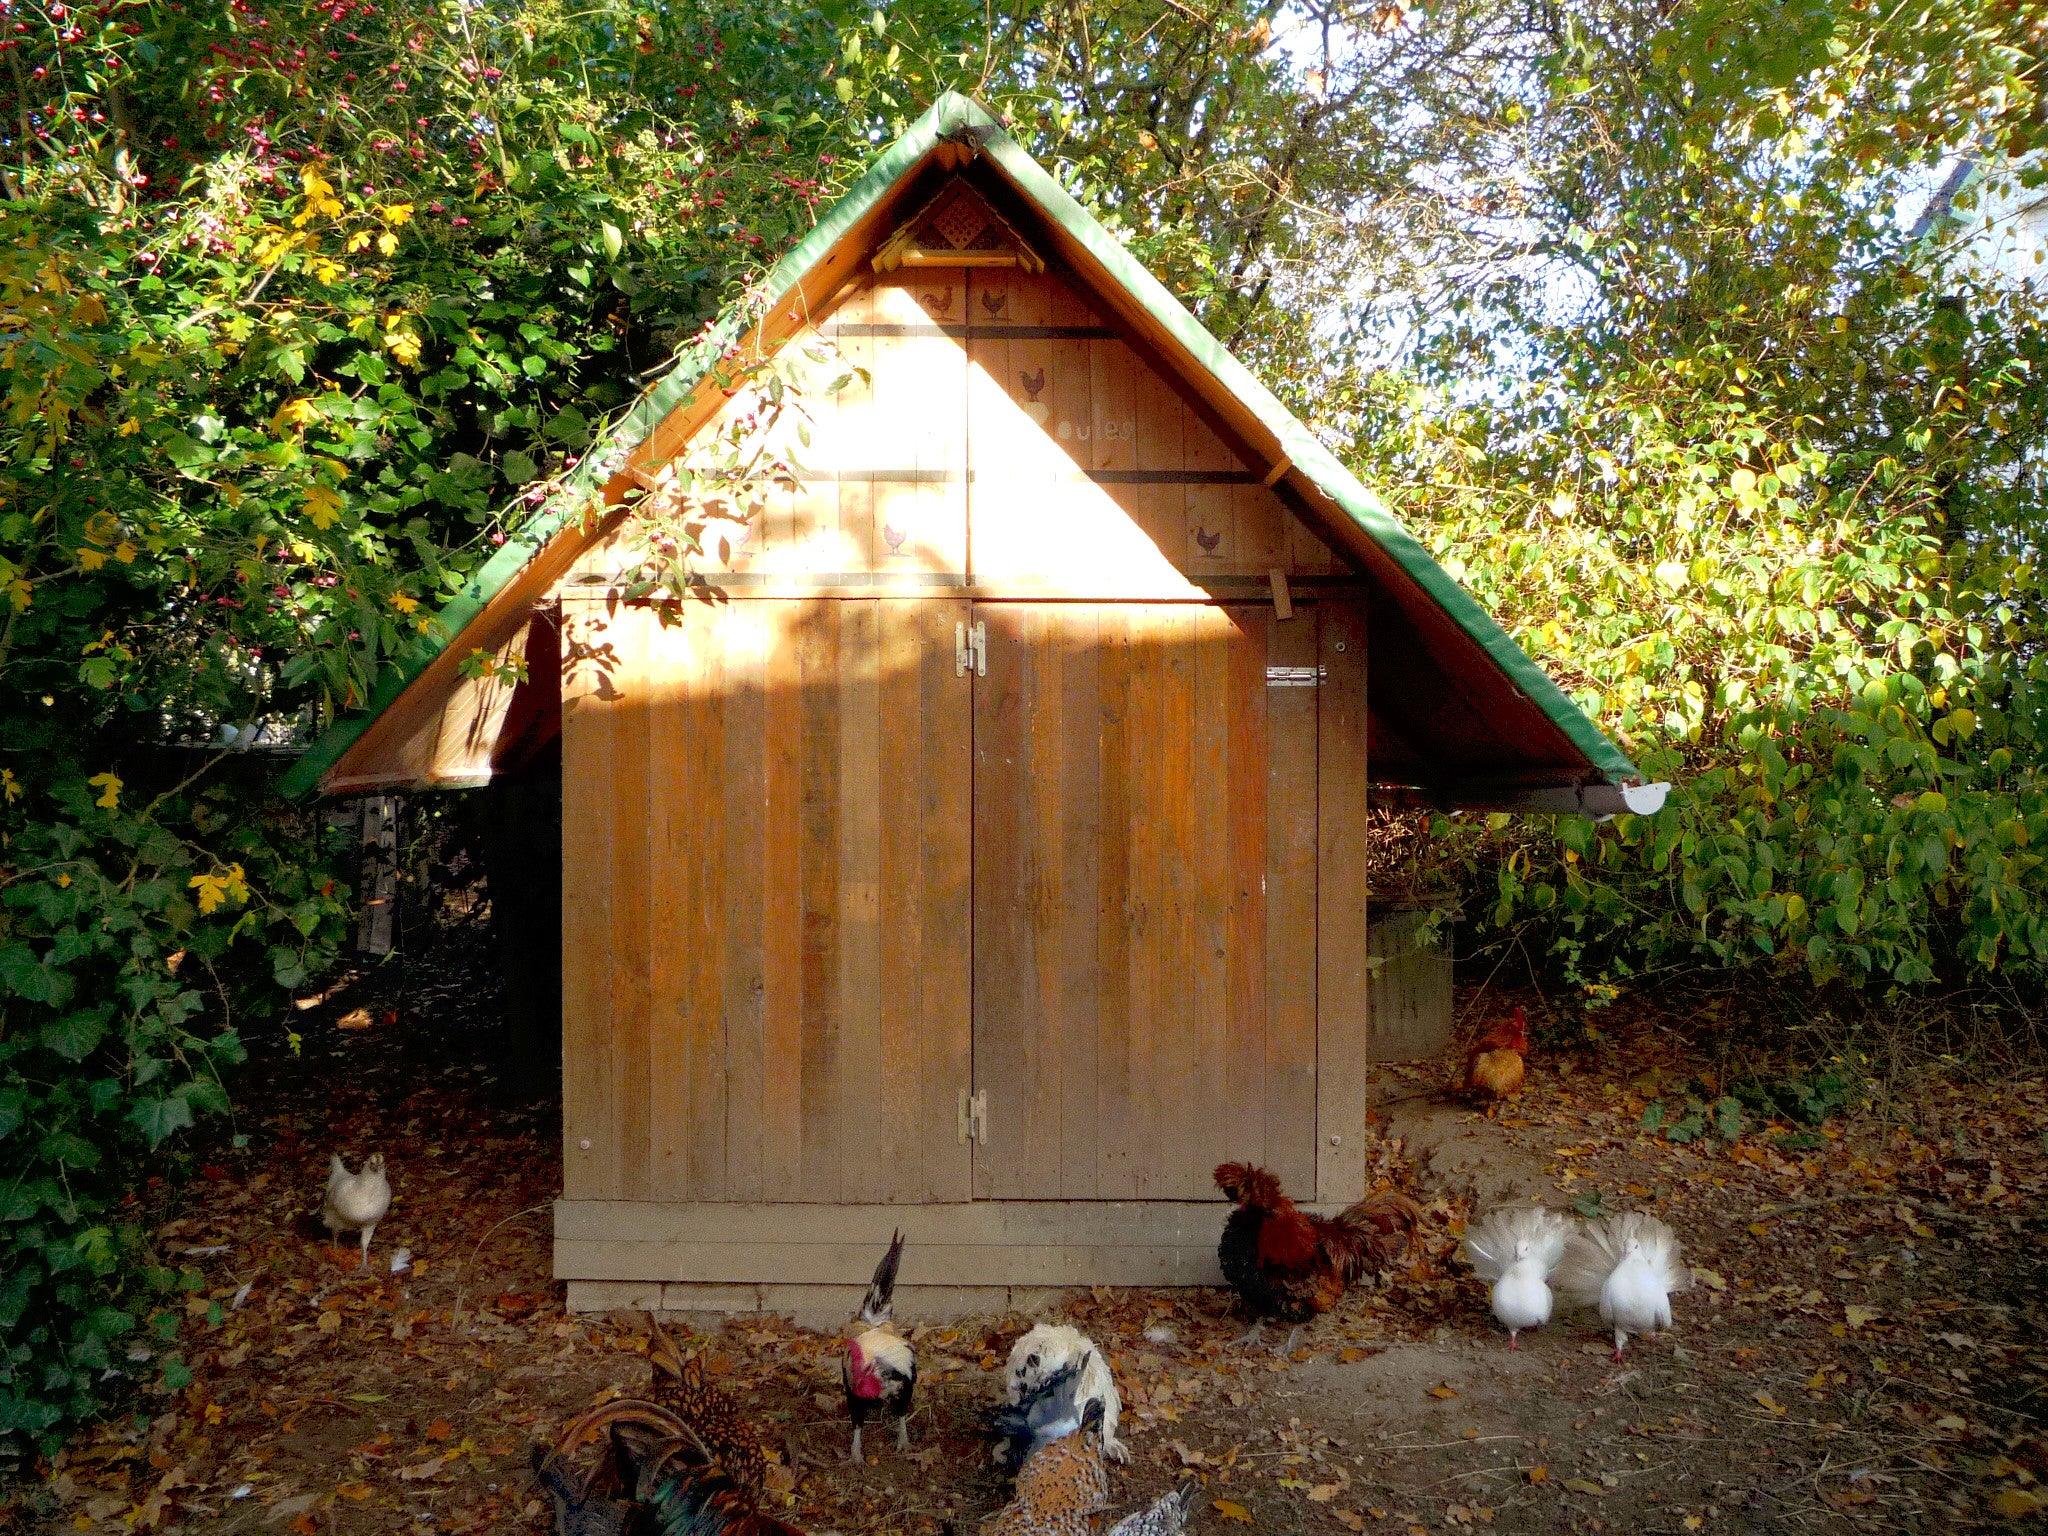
71,1151
75,1036
29,979
160,1119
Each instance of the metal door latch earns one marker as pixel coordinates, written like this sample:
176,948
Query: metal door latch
974,1117
970,650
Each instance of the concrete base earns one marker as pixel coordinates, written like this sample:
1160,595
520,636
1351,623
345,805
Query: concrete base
811,1306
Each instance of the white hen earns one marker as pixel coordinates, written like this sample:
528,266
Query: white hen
356,1201
1628,1266
1515,1251
1048,1348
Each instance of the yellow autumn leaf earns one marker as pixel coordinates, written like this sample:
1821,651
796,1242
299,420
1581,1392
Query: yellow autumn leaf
360,240
130,427
10,786
395,214
1230,1511
403,345
386,243
1443,1390
327,269
2017,1503
125,552
1694,1522
1857,1317
102,528
297,412
222,885
91,559
1768,1403
404,603
323,505
109,786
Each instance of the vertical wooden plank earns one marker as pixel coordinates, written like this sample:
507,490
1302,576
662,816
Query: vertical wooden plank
627,794
946,830
1112,379
782,908
1041,819
1243,1118
1208,1007
846,449
1145,899
859,878
1291,879
1261,523
1175,1030
1079,1002
741,796
1341,940
1006,1000
587,823
817,640
1073,389
1116,1176
901,724
701,850
1212,541
674,900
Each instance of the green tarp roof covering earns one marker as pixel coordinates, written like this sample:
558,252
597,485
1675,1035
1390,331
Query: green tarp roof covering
1432,642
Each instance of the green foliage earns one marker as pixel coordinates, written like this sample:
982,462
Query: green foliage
305,307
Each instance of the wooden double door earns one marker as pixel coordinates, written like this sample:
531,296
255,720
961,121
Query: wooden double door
916,899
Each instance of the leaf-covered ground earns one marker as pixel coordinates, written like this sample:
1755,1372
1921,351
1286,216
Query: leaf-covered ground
1865,1349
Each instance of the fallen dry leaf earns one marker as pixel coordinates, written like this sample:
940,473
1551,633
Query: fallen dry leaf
355,1018
1443,1389
1857,1317
1768,1403
1230,1511
440,1429
1583,1485
1538,1474
2017,1503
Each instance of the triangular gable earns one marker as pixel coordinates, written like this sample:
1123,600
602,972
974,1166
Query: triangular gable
1461,714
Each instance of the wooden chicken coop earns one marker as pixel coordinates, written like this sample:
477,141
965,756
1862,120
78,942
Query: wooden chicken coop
982,849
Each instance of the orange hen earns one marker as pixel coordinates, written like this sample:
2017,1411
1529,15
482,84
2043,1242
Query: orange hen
1495,1065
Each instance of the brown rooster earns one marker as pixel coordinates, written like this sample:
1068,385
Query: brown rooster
1290,1266
1494,1067
681,1387
667,1481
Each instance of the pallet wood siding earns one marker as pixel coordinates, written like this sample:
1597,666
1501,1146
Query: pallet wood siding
1129,900
766,916
977,428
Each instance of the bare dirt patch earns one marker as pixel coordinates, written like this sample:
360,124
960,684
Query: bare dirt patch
1865,1349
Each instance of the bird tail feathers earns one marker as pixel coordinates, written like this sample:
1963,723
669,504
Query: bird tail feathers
1375,1231
878,1305
1491,1241
1594,1251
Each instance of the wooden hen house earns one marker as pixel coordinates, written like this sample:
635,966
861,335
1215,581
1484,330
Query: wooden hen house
983,850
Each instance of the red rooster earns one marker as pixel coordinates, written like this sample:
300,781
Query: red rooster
1494,1067
1290,1266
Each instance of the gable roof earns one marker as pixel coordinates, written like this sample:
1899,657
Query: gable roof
1461,715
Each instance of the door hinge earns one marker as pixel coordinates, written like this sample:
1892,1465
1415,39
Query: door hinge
974,1117
970,650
